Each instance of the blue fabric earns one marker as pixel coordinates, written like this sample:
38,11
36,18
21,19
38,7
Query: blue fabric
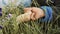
49,9
27,3
3,2
48,13
23,2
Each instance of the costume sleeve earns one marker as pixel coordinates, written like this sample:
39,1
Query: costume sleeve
48,13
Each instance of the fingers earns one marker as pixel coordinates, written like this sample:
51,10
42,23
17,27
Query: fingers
32,16
27,9
37,15
36,12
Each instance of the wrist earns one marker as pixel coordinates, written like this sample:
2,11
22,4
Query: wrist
43,13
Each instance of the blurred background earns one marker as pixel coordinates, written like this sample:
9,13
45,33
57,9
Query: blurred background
10,9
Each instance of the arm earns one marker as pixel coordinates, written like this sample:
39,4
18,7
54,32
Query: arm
53,12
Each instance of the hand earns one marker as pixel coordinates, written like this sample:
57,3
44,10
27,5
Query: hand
36,13
27,10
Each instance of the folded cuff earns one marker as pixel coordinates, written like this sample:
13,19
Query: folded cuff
48,13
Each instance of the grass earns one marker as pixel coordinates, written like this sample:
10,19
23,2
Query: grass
9,24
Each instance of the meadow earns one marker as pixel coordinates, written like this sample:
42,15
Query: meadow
8,24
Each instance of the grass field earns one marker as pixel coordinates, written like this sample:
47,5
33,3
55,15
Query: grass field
9,25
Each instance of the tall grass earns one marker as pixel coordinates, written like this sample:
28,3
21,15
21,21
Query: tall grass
10,26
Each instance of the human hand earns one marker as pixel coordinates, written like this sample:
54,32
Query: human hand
36,12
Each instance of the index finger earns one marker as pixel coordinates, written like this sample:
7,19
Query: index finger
27,9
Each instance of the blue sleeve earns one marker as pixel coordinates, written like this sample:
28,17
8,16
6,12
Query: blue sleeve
48,13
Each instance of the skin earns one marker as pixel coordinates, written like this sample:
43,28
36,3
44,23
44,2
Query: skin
36,12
